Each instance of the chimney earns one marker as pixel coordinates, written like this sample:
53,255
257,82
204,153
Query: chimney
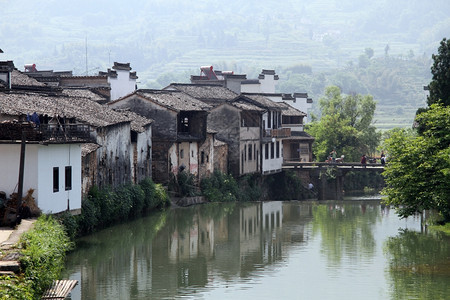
6,67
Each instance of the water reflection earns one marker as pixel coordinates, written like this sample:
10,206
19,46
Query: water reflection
266,250
419,265
346,229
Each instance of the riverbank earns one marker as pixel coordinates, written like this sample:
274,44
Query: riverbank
9,237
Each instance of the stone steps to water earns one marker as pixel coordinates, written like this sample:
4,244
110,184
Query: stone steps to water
10,266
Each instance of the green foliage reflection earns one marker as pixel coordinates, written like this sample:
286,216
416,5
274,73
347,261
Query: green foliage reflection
345,230
419,265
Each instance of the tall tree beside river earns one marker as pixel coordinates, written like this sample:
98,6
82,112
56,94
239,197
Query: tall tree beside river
418,173
440,83
345,125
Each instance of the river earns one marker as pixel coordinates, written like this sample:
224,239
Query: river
352,249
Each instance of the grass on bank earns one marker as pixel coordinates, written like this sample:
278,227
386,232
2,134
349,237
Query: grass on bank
43,250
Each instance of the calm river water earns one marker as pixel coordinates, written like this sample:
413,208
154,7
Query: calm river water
354,249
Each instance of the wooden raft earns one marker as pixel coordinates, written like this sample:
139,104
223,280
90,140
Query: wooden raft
59,289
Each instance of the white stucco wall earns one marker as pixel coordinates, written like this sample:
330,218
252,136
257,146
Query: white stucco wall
9,163
59,156
268,84
251,88
121,85
271,165
38,174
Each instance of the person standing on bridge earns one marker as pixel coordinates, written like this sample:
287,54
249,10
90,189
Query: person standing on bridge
363,159
333,155
383,158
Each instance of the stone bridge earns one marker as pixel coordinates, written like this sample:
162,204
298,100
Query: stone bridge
328,178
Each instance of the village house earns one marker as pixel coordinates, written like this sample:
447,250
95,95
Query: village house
180,137
264,84
297,147
272,133
112,84
120,142
237,124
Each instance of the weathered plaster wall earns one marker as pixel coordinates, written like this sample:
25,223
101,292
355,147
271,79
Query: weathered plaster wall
142,156
114,167
250,141
89,171
221,158
225,119
165,125
206,157
164,160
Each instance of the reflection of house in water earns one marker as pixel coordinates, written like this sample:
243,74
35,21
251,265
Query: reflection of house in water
272,219
272,213
250,228
198,239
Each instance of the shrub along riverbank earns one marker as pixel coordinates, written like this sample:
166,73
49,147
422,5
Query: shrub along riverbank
42,253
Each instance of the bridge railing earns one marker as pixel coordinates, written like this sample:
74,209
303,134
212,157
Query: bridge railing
312,165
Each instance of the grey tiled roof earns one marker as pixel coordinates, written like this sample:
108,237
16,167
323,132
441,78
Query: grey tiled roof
79,108
21,79
88,148
175,100
204,91
262,101
138,121
83,93
291,111
247,106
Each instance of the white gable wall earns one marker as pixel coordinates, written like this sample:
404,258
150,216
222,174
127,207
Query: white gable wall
121,85
38,174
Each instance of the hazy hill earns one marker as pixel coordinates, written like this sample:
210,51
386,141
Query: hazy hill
167,40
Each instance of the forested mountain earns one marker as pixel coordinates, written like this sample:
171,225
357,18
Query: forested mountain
379,47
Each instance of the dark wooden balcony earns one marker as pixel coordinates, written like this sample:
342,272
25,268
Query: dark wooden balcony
46,133
277,133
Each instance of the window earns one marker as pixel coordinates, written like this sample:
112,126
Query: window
55,179
68,178
272,150
266,155
245,152
184,121
278,149
250,152
269,120
181,153
202,155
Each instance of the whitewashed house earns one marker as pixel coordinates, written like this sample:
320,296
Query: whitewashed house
52,170
272,133
112,148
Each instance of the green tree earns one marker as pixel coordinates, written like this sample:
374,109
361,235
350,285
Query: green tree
440,83
345,125
418,173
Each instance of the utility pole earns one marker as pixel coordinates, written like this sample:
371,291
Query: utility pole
21,170
85,43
